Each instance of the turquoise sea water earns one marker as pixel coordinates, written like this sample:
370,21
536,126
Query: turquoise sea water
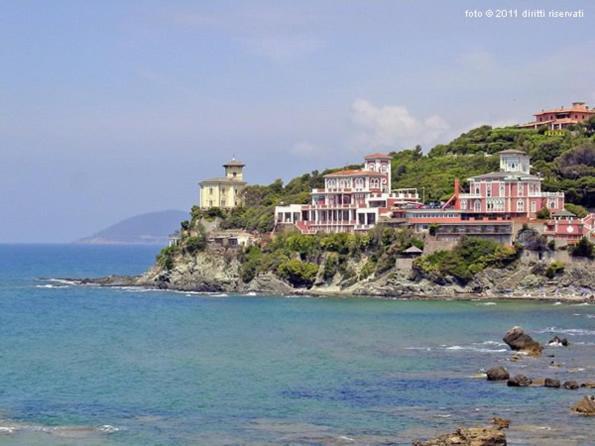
96,366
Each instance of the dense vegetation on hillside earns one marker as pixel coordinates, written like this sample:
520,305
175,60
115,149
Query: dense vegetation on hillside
469,257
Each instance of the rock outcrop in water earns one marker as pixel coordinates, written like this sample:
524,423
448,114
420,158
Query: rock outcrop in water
586,406
518,340
497,374
474,436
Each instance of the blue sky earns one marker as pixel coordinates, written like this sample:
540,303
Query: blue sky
113,108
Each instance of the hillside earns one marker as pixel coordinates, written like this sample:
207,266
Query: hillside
150,228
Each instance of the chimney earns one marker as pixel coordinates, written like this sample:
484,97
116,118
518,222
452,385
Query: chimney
457,188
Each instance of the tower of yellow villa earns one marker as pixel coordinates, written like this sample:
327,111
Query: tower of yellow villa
224,192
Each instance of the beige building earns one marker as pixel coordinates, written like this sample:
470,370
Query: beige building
224,192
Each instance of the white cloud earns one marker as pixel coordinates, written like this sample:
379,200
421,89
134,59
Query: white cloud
393,126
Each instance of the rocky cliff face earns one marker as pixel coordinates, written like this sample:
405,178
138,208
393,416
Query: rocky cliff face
220,271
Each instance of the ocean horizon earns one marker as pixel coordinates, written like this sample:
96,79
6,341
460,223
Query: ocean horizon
84,365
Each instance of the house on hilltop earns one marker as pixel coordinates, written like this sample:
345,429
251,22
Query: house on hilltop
224,192
560,118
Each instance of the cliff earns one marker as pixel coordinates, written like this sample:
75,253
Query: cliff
372,264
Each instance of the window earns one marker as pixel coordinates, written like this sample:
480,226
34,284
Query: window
477,206
520,206
502,190
235,174
477,189
210,191
463,204
533,206
489,190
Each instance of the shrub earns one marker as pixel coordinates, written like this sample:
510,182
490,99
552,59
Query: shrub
368,269
543,213
331,266
468,258
576,209
584,248
554,268
195,244
298,273
165,258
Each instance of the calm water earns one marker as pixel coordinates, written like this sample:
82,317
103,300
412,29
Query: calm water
91,366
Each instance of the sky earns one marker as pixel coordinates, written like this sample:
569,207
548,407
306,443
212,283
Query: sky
109,109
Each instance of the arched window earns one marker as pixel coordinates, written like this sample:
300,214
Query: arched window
520,206
374,183
477,206
359,183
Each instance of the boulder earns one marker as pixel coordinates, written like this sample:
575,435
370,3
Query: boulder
570,385
538,382
518,381
556,341
501,423
474,436
586,406
588,385
517,340
551,382
497,374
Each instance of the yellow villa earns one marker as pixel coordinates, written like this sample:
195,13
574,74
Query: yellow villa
224,192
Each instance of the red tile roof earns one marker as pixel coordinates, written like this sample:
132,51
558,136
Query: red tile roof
353,172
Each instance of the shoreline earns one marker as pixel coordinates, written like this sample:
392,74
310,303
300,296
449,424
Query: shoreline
132,282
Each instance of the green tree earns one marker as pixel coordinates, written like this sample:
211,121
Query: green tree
584,248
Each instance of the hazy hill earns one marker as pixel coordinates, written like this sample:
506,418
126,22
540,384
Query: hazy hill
150,228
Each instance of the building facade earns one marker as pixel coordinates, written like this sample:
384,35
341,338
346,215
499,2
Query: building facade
224,192
560,118
565,227
511,193
351,200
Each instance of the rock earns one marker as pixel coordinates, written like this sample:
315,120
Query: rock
586,406
518,381
588,385
517,340
497,374
570,385
474,436
550,382
538,382
556,341
501,423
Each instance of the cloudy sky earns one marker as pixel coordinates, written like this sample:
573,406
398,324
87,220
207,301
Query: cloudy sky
113,108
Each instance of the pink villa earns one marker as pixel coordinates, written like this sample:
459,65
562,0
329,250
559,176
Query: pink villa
511,193
559,118
351,200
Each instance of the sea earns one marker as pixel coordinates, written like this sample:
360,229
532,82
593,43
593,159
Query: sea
84,365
